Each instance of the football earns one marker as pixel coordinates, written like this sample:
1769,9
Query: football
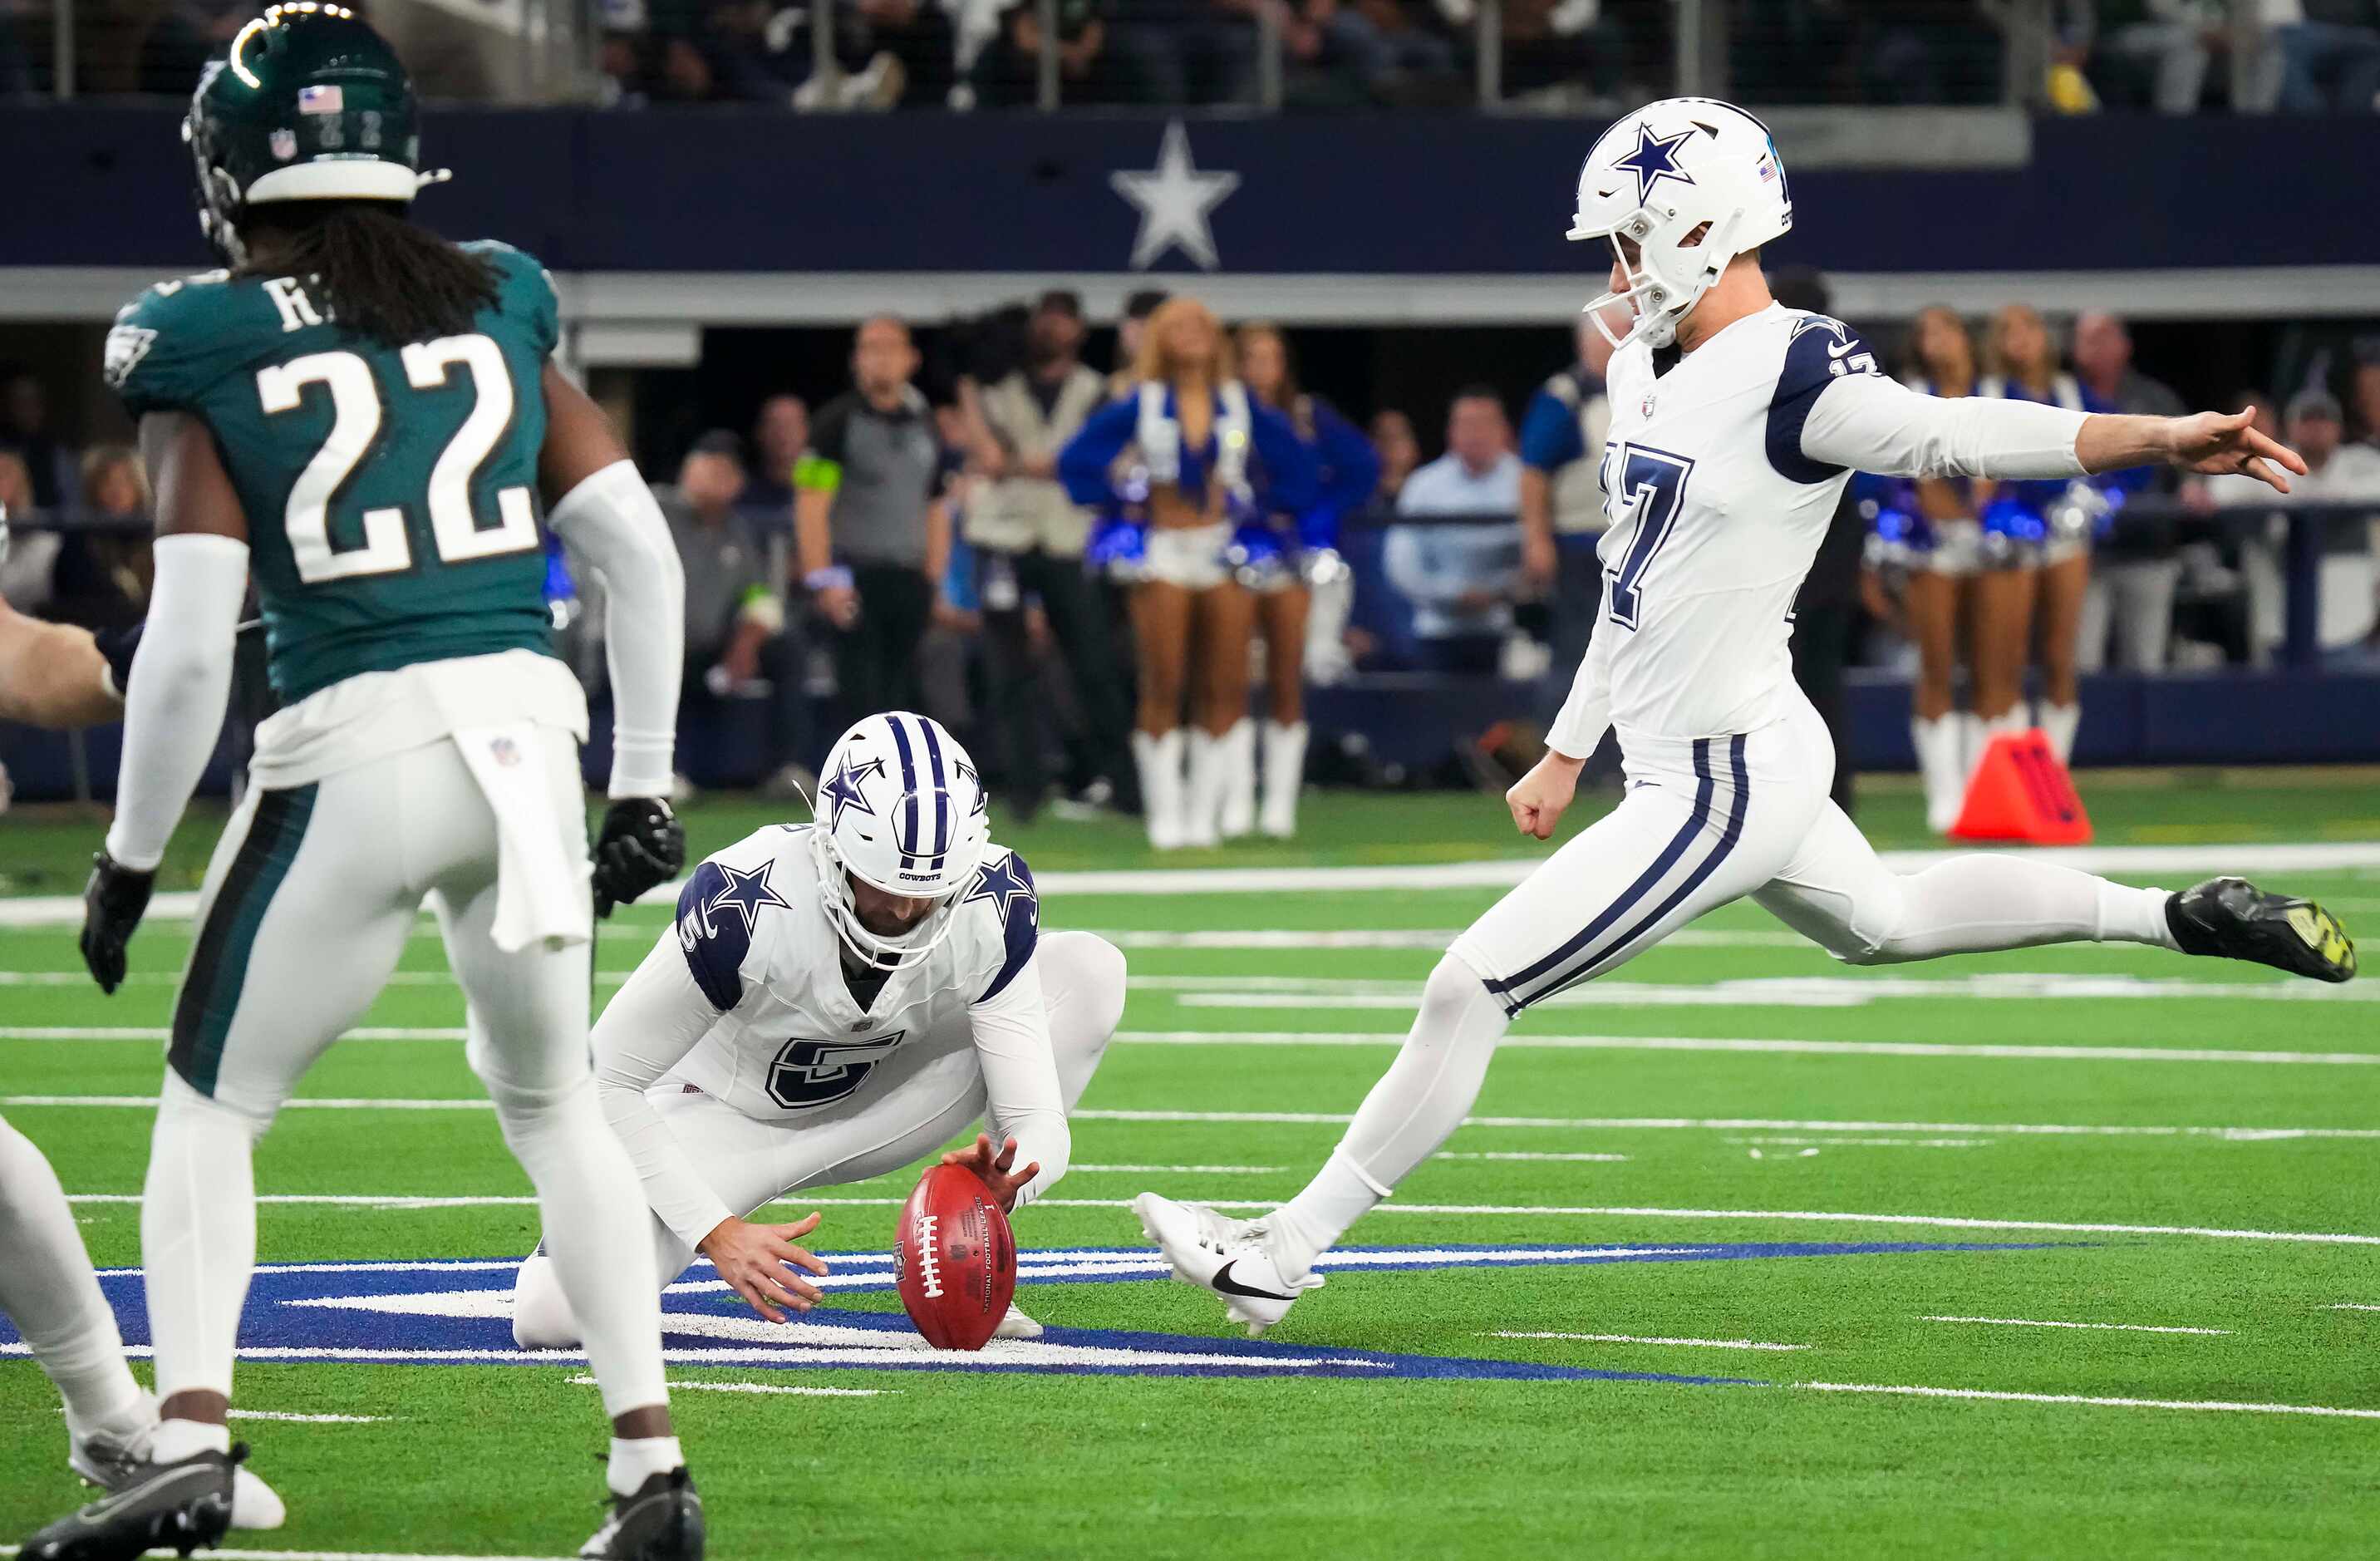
953,1259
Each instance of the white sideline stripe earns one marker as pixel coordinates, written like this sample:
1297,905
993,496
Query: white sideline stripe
1738,1043
1797,1216
760,1388
1526,1154
1632,1338
1727,1124
1872,1143
39,911
2100,1327
307,1420
1340,1119
2218,1405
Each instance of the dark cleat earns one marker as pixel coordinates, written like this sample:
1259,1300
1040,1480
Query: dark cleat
662,1522
2234,919
176,1506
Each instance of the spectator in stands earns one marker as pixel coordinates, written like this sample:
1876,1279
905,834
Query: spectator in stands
1007,73
25,428
2365,382
2336,472
1461,577
27,571
1399,448
2135,569
1561,497
1200,52
780,434
873,535
1027,536
1137,308
2329,55
2155,53
1559,48
1926,51
1935,564
1195,435
104,567
735,618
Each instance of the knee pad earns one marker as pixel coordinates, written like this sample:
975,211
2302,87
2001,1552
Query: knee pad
542,1317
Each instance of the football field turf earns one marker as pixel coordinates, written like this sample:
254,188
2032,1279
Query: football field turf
1744,1252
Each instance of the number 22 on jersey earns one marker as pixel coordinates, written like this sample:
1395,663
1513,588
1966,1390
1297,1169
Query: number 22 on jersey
1649,494
356,413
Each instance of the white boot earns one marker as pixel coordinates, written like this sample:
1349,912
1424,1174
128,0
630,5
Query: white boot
1159,763
1202,809
2060,722
1974,737
1944,778
1284,772
1239,745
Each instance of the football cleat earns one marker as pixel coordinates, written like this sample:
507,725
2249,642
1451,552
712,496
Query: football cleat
1016,1325
2233,918
176,1506
662,1521
116,1465
1227,1256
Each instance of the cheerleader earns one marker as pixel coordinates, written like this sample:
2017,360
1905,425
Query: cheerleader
2044,527
1195,431
1938,577
1285,572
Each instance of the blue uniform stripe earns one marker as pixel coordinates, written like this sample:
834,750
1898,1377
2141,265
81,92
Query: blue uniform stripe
906,826
942,792
1731,832
1669,859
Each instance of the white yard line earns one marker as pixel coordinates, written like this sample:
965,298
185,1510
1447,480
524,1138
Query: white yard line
1632,1338
1527,1154
1428,939
2217,1405
1740,1124
1738,1043
2354,1306
796,1391
1788,1140
43,911
1763,992
332,1556
2096,1327
307,1420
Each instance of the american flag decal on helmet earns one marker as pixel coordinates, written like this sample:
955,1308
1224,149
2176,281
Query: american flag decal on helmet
321,100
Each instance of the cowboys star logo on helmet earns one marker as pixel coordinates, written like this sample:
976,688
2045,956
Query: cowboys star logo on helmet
901,811
1679,189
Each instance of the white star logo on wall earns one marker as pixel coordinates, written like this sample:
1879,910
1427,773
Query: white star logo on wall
1175,200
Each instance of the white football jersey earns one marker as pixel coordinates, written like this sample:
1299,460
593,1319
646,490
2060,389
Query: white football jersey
790,1038
1716,515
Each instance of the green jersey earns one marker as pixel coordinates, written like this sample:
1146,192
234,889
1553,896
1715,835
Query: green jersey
390,493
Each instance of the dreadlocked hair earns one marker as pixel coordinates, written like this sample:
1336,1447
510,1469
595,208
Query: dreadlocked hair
376,272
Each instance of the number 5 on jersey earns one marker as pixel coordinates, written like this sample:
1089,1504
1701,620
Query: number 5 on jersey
356,413
1649,494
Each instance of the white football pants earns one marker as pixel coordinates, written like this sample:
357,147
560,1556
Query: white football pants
750,1162
307,906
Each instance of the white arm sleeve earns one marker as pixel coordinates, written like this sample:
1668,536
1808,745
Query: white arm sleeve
1872,423
612,520
653,1023
1020,1073
181,681
1586,713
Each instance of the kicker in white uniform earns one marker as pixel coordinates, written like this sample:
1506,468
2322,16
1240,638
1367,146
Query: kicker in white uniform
1736,424
836,1001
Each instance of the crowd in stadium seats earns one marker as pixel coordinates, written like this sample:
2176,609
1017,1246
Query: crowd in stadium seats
2297,57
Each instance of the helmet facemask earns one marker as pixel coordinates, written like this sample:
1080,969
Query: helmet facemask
874,949
1660,295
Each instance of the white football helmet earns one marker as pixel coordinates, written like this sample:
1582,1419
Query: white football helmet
1656,176
901,807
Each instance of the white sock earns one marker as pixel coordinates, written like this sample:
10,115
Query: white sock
2060,722
1424,1096
1976,904
635,1459
198,1237
598,1233
1284,774
177,1440
1239,764
47,1289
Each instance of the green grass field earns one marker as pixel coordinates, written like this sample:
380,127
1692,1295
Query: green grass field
2206,1227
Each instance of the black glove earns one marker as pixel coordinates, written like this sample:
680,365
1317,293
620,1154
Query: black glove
641,844
112,905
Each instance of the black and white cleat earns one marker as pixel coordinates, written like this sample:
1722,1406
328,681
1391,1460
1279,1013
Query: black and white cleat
176,1506
663,1521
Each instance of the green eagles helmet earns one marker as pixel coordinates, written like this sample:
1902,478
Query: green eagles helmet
309,103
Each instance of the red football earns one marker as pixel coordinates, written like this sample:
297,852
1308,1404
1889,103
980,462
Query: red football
954,1258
